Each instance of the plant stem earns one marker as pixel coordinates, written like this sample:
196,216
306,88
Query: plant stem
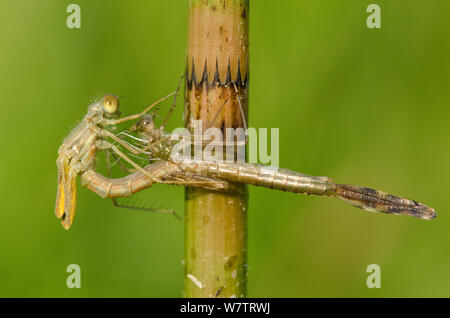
216,223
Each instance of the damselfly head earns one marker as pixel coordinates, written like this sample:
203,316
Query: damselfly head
110,105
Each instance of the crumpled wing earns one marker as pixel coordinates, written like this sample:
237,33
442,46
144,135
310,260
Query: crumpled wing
66,197
62,176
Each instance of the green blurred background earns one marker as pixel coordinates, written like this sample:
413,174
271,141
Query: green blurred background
368,107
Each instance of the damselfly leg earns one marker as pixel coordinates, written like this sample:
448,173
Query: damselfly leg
131,207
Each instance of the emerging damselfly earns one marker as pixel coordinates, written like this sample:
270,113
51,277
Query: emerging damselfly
176,169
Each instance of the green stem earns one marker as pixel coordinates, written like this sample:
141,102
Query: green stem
216,223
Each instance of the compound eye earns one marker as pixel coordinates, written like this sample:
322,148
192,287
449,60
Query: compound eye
110,103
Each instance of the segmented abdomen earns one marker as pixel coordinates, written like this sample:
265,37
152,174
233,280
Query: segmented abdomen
286,180
259,175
